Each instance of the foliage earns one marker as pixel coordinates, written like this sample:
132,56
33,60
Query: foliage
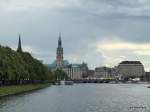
60,75
57,75
19,67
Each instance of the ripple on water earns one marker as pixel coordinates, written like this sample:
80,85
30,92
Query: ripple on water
81,98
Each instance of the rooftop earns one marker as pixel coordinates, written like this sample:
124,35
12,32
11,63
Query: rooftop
130,62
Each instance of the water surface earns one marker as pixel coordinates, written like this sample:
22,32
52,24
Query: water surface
81,98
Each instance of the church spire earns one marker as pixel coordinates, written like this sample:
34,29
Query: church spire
59,57
59,41
19,45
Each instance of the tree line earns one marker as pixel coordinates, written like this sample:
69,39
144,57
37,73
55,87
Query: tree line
20,67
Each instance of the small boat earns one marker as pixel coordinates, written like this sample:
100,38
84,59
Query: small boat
57,83
69,82
148,86
62,82
112,82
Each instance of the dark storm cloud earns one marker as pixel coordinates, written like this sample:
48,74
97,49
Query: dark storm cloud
82,23
127,19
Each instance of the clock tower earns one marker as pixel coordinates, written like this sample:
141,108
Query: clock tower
59,57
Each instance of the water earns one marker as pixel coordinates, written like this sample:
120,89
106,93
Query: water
81,98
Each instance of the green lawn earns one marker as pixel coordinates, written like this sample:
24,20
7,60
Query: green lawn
10,90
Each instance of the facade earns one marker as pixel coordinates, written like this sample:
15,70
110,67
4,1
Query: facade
59,54
84,69
91,74
103,72
147,76
129,69
76,71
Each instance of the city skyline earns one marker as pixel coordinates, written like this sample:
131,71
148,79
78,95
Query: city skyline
89,33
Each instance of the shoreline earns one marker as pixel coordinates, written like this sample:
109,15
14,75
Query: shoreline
20,89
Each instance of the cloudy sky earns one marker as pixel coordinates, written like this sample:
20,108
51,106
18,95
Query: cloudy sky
99,32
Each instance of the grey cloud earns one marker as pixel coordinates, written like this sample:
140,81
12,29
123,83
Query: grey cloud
81,22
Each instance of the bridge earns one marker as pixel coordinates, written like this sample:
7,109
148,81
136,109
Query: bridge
104,80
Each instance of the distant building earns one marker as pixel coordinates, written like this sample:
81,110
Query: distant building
147,76
53,66
129,69
103,72
84,69
91,74
59,63
76,71
19,49
59,54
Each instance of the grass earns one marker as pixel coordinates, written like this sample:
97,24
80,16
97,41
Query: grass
17,89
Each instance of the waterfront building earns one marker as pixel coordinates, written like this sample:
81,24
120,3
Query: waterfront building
53,66
147,76
91,74
59,63
76,71
59,54
131,69
103,72
84,69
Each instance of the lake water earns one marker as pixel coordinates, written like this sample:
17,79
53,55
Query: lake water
81,98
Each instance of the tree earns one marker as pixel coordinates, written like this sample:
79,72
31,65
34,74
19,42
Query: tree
16,67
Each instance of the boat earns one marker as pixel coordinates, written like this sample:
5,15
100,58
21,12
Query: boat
66,82
62,82
57,83
113,82
69,82
148,86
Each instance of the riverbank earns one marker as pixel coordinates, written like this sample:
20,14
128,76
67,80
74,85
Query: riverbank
18,89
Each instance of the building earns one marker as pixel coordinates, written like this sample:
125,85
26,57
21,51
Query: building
59,54
59,63
53,66
84,69
76,71
147,76
19,49
91,74
103,72
131,69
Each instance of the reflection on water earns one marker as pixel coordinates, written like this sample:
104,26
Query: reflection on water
81,98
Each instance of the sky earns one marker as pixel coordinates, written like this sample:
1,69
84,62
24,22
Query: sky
99,32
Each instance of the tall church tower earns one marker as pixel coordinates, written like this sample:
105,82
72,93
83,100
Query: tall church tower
59,57
19,45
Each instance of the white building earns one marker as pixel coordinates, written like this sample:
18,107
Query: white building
76,71
106,72
102,72
129,69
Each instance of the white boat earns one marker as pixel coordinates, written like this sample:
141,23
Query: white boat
62,82
66,82
57,83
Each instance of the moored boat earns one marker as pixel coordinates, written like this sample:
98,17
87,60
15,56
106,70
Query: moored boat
69,82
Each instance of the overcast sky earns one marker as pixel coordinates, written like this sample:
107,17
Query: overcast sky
99,32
